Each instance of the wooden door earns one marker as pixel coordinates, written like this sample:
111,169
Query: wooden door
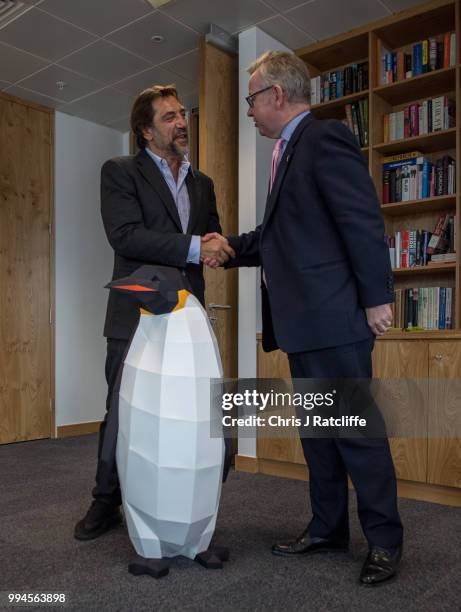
444,458
26,168
406,360
218,158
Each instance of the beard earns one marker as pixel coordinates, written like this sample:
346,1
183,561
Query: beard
176,148
173,147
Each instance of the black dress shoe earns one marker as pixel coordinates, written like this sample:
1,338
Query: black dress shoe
380,565
100,518
305,545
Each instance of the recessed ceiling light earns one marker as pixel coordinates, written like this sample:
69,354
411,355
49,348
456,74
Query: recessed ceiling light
60,85
157,38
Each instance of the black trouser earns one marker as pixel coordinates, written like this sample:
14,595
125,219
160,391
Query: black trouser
367,460
107,484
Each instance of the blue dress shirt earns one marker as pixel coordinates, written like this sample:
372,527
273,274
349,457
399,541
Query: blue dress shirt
180,197
290,127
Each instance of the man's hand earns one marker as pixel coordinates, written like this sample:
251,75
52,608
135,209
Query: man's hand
379,318
215,250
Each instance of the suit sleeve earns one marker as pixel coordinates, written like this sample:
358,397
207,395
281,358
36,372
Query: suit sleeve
342,178
123,221
246,247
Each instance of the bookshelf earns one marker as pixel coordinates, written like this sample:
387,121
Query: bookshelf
399,34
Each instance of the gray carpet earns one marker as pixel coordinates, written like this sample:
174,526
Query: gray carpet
45,488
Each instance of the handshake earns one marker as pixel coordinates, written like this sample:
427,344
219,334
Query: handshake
215,250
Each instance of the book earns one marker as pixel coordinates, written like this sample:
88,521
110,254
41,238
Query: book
452,49
404,253
439,258
436,240
401,156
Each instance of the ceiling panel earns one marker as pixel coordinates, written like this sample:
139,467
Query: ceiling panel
137,38
186,66
122,125
286,5
43,35
285,32
324,18
44,82
154,76
102,107
232,16
105,62
33,96
66,33
16,64
400,5
98,16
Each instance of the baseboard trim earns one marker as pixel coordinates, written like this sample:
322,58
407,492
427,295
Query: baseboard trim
448,496
246,464
78,429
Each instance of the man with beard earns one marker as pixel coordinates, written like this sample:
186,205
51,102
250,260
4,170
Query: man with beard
155,209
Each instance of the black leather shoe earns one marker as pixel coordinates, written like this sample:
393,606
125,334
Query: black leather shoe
100,518
380,565
305,545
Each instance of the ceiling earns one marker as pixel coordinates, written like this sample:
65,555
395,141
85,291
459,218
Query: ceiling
102,50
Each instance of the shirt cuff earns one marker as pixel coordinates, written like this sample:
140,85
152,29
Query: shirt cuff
194,250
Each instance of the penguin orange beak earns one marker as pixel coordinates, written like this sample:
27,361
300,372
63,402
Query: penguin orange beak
132,287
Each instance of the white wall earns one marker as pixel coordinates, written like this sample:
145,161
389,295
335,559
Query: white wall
255,154
83,263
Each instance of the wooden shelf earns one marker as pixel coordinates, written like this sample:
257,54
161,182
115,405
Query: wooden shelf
424,21
350,49
435,334
338,103
427,143
424,85
420,270
396,209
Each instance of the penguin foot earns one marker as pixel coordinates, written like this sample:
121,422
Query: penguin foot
157,568
213,558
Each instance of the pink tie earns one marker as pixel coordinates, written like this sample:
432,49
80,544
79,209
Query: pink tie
276,155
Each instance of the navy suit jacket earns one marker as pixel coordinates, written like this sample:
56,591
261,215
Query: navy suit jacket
321,243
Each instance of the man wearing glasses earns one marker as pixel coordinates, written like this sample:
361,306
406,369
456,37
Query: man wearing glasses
326,293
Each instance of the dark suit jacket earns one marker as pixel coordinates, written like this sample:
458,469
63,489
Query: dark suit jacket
143,227
321,243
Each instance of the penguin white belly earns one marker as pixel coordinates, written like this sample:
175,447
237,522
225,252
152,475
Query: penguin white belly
170,468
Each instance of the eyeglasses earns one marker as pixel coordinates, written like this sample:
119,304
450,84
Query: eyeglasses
250,98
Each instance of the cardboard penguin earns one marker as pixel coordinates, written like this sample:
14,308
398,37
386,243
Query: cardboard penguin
170,467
